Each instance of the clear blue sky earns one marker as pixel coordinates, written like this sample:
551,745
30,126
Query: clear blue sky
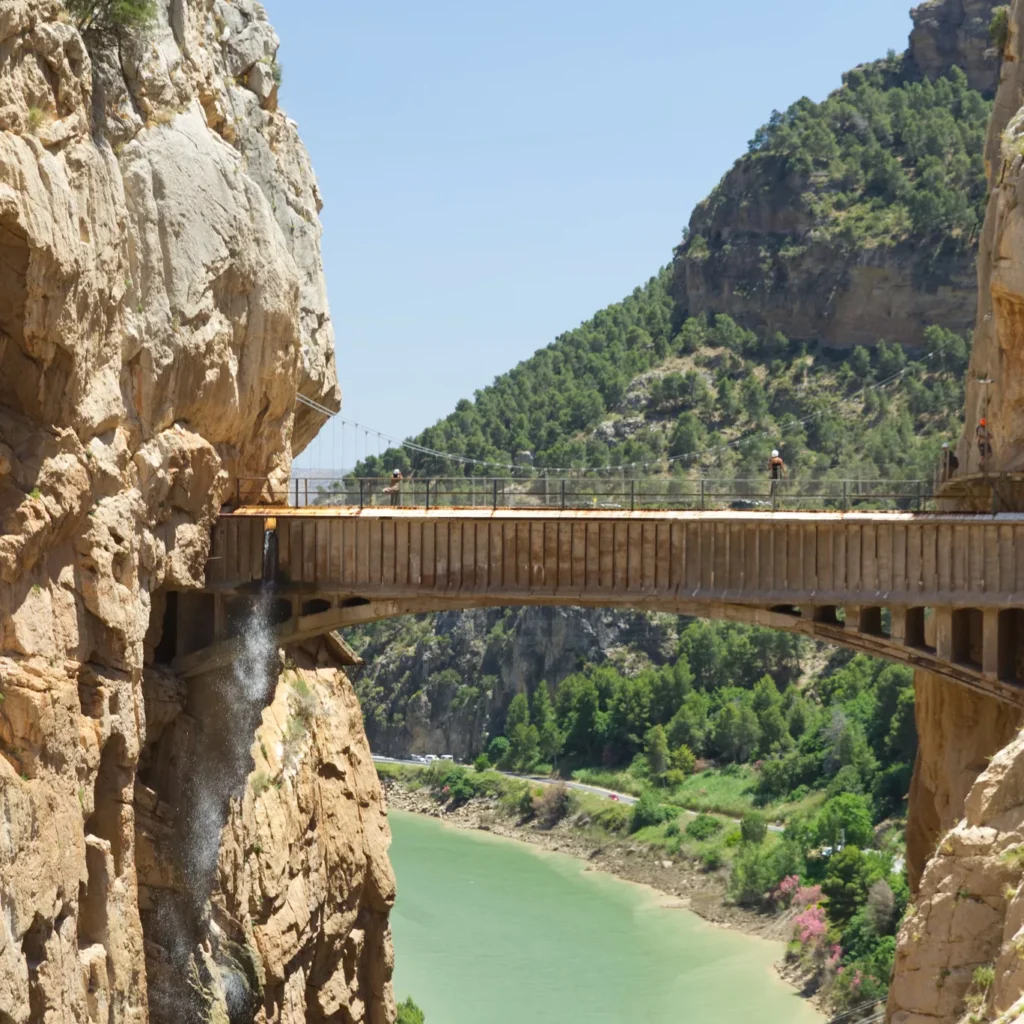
495,173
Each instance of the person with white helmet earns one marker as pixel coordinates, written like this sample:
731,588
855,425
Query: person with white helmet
776,471
395,490
950,463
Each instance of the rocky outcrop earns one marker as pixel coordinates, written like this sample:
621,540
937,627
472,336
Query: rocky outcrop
945,771
955,32
779,247
162,303
969,911
443,683
292,923
996,357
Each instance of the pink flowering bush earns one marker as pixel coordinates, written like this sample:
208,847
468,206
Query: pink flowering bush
782,895
810,926
807,895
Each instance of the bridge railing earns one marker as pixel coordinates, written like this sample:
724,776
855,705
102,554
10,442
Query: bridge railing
541,492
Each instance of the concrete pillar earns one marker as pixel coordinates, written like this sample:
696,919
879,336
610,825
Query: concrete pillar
898,624
990,643
944,633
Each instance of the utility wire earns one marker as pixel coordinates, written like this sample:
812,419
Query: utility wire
466,460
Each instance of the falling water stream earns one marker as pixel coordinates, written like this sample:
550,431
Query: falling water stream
227,708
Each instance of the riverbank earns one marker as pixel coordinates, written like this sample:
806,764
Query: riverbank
679,881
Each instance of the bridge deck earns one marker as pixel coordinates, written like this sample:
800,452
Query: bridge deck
953,584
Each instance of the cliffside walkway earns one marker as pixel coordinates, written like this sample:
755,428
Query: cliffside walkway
943,592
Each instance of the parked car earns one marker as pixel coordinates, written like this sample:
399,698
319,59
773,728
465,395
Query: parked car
447,757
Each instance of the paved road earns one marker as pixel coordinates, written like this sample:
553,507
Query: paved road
624,798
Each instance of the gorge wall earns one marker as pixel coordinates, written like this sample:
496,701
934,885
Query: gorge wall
967,802
162,303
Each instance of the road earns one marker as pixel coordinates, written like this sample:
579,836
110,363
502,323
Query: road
624,798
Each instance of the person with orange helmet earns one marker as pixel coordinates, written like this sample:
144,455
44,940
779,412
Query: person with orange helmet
984,440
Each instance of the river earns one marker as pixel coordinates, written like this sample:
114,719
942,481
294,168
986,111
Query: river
491,931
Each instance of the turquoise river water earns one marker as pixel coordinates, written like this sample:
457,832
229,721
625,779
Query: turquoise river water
490,931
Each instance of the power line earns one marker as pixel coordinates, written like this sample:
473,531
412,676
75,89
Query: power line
466,460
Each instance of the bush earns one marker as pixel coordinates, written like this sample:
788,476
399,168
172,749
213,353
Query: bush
704,827
104,15
999,26
616,818
497,749
712,859
672,778
552,804
647,811
845,819
410,1013
482,763
754,827
672,829
758,869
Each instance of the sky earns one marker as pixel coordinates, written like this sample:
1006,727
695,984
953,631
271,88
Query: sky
495,173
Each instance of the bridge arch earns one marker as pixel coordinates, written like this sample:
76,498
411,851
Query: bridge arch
951,584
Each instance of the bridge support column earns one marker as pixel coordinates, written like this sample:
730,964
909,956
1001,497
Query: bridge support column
898,624
866,619
944,633
991,662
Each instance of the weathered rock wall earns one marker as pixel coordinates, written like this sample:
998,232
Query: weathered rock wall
757,248
443,684
162,302
997,355
966,814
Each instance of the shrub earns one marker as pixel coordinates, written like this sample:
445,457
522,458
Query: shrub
410,1013
105,15
999,26
845,818
552,804
497,749
754,827
683,759
672,829
881,908
758,869
260,784
647,811
810,926
482,763
704,827
615,818
712,859
672,779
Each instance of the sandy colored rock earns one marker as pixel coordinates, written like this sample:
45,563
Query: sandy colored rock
162,303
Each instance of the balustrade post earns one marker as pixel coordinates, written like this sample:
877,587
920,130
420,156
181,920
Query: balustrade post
846,496
360,494
563,493
702,494
494,494
632,495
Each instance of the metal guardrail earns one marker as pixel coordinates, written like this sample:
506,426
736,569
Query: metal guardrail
588,493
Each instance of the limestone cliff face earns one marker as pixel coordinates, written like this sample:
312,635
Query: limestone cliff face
162,302
997,354
969,911
955,32
443,684
761,249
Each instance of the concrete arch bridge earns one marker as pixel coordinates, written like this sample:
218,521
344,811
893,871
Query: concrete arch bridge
942,592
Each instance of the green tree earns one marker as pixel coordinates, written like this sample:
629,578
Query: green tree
549,737
647,811
102,15
524,741
482,763
656,750
754,827
497,749
845,819
736,732
682,759
847,881
409,1013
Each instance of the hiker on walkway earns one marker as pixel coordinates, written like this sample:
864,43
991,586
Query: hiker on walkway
984,440
950,463
395,490
776,471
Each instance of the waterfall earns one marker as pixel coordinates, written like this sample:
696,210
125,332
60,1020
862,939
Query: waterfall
227,708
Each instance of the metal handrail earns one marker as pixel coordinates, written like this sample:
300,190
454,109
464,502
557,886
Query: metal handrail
586,493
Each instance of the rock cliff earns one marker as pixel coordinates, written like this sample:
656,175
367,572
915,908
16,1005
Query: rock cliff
443,683
798,246
958,952
162,303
